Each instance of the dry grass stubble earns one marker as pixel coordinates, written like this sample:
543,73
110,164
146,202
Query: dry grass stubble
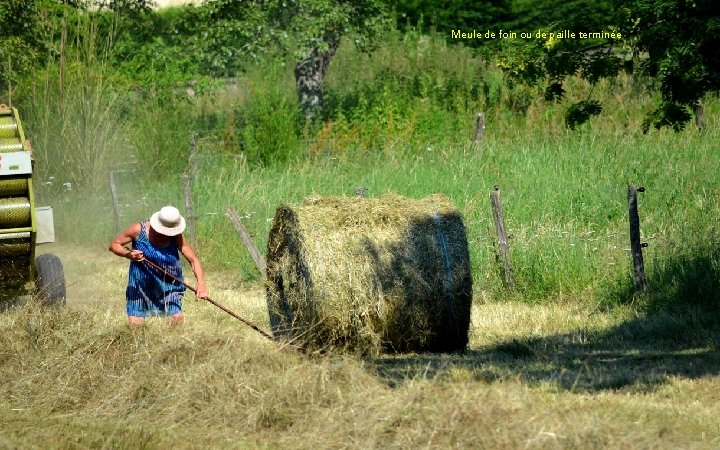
556,376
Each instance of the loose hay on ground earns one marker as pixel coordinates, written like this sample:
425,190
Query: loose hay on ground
370,274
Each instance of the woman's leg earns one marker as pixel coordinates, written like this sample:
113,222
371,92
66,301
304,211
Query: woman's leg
136,306
136,320
173,306
177,319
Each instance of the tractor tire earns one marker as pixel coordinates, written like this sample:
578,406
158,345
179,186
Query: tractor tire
50,286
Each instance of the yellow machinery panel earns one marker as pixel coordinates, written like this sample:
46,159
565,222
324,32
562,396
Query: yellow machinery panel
17,217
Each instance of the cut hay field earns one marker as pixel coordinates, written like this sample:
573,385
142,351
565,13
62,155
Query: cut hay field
566,374
572,358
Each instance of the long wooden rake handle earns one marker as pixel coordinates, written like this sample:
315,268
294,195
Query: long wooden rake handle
245,321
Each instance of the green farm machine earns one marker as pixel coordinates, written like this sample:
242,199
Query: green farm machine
22,225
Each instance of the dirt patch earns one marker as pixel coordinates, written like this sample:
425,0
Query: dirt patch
96,278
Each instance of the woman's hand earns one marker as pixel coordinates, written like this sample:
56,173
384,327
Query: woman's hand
202,292
135,255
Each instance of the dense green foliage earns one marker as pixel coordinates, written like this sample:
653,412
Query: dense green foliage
230,32
451,15
576,15
227,34
21,44
674,44
682,42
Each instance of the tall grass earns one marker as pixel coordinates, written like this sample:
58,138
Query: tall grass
565,202
74,112
403,124
414,90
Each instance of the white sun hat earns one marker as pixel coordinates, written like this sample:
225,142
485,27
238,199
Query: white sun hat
168,221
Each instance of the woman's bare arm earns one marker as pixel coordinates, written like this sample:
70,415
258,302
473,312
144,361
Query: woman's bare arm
189,254
118,244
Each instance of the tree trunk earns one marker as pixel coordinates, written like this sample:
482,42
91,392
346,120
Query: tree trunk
309,80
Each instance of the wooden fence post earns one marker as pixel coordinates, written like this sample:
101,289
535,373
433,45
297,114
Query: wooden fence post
187,191
635,245
189,214
116,205
232,215
502,236
192,163
479,131
699,111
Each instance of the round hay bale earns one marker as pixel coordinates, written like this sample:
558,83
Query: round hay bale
370,274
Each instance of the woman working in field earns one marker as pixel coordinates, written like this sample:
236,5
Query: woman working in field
157,242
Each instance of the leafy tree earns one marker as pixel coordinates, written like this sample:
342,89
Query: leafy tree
21,47
34,30
133,22
230,32
676,43
560,46
147,46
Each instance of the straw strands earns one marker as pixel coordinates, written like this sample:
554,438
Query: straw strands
370,274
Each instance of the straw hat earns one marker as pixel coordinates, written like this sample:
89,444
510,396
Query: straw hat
168,221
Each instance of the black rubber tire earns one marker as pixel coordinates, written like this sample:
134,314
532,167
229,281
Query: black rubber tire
50,286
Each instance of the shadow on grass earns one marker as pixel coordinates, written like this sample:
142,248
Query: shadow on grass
676,333
12,297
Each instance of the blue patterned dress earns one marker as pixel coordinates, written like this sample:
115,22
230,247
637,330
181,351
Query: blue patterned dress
150,292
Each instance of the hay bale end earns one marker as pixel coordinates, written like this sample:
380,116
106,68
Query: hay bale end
370,275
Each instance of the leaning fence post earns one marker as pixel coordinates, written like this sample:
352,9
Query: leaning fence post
189,215
635,245
479,131
116,205
232,215
502,236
